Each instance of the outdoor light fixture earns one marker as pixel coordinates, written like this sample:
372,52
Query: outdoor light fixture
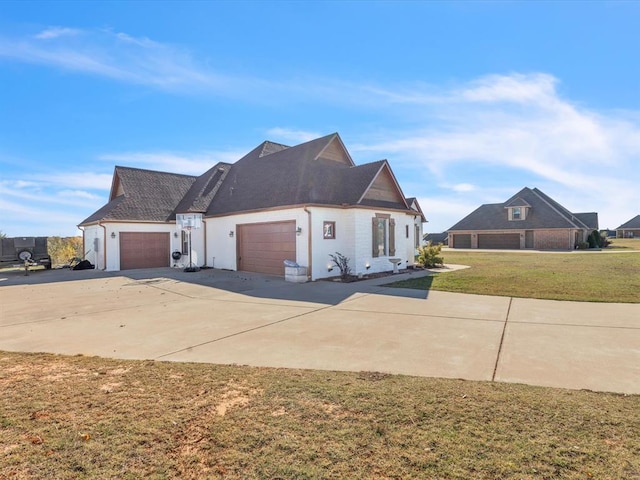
367,266
298,230
113,234
231,233
329,267
175,234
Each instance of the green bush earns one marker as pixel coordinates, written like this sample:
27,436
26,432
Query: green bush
429,255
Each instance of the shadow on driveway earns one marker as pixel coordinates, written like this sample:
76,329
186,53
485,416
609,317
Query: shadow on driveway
247,283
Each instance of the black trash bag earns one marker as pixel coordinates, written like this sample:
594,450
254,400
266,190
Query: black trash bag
84,265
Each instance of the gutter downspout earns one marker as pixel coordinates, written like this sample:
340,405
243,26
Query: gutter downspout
204,222
309,251
104,246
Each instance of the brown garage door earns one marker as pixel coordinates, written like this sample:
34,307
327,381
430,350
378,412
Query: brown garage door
462,240
508,241
144,250
263,247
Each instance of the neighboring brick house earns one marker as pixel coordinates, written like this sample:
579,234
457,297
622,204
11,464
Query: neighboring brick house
277,203
630,229
528,220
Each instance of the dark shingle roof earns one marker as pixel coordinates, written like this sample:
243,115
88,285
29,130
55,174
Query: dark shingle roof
436,238
149,196
203,190
543,212
295,176
633,223
271,175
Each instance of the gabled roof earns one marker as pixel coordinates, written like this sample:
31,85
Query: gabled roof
203,190
543,212
414,205
143,195
516,202
633,223
319,172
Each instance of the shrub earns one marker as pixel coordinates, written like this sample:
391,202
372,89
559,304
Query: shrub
428,255
342,263
594,239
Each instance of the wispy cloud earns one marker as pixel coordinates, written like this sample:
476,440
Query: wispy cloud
56,32
115,55
189,163
292,135
516,126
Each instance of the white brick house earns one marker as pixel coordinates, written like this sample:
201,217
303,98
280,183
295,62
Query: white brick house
277,203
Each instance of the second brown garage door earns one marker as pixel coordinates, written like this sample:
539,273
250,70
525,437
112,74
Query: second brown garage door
509,241
263,247
144,250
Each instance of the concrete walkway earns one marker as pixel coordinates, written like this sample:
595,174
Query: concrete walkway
233,317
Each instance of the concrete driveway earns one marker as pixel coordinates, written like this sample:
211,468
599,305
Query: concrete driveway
234,317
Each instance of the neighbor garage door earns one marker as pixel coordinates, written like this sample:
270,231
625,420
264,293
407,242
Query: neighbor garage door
507,241
462,241
263,247
144,250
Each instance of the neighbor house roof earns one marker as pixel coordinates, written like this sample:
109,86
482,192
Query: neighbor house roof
319,172
633,223
542,212
436,238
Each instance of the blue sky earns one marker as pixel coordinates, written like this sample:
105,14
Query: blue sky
469,101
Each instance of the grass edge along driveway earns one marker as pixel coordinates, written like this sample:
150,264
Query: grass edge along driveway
584,277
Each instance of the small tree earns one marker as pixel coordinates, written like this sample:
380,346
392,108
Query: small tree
429,255
64,249
342,263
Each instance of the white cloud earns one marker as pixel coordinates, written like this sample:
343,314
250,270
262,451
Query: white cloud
194,163
292,135
463,187
56,32
74,194
518,88
516,126
115,55
84,180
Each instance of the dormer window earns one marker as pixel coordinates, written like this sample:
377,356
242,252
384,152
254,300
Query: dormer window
517,213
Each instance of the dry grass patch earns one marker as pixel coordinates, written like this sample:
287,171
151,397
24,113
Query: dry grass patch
578,276
168,420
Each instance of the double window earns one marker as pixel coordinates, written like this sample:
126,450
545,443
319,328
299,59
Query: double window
384,235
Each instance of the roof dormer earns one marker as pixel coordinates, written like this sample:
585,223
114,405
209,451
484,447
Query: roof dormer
517,209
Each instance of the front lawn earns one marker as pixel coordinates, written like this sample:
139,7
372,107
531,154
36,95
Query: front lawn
580,276
86,417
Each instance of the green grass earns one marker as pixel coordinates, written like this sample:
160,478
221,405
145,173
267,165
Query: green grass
86,417
579,276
